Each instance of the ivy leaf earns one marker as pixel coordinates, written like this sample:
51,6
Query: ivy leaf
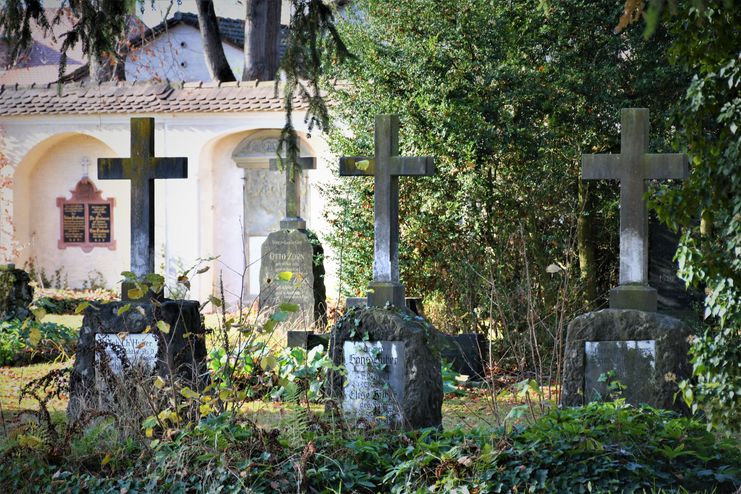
124,308
82,306
285,276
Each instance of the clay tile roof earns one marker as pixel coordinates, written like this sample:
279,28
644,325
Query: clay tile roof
128,97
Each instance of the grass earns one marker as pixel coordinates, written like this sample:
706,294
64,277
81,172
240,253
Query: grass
12,380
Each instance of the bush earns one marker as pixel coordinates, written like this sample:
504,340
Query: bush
66,301
23,342
603,447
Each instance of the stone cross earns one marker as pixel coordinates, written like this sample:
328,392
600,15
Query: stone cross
293,219
142,169
386,167
632,167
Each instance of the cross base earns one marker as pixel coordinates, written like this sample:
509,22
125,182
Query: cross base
292,224
380,293
638,297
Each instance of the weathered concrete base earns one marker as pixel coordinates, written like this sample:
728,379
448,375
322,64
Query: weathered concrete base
380,294
637,297
654,381
16,294
423,387
182,350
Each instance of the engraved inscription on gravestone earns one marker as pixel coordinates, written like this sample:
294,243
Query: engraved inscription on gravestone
99,223
374,383
289,251
632,362
140,349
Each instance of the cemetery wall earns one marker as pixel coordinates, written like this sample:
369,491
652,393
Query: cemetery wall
198,217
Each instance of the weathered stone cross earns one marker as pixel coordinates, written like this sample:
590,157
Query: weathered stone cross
386,168
142,169
632,167
293,219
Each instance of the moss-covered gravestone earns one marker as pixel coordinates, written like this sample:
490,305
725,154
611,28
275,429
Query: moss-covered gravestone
390,355
122,344
643,353
392,368
292,267
16,294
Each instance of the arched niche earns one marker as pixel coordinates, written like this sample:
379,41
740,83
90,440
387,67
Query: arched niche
264,195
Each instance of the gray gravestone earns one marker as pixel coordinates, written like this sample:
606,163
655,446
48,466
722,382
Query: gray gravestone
119,337
181,350
632,167
392,358
375,379
293,249
646,351
609,341
404,388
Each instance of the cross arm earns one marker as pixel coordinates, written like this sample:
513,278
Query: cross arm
413,165
112,168
670,165
357,166
600,166
305,163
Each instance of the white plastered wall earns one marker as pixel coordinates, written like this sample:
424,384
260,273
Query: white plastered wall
195,218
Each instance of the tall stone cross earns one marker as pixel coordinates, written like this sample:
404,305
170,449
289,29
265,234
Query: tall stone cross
142,169
632,167
386,167
293,219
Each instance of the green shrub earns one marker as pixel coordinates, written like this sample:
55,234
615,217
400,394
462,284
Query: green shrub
22,342
602,447
65,301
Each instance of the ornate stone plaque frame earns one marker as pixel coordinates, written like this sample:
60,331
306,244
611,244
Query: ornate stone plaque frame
85,202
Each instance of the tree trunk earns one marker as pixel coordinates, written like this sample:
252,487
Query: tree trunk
218,67
261,39
587,268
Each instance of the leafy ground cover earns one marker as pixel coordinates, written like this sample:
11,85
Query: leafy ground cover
29,341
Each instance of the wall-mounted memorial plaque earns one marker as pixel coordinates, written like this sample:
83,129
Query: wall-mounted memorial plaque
86,218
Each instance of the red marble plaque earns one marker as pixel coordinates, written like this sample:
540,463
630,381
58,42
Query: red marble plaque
86,219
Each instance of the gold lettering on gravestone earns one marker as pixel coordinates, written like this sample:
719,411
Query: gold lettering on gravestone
73,223
99,223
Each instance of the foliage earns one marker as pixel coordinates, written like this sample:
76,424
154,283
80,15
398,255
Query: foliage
506,96
67,301
22,342
603,447
706,43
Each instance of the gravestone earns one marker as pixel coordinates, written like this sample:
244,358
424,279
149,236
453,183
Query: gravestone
392,370
181,348
467,353
390,354
630,342
118,337
295,250
16,293
646,351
